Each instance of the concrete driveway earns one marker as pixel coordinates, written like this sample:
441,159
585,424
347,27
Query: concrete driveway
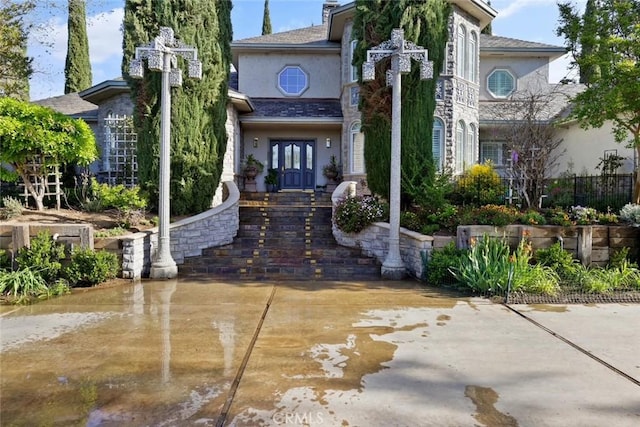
182,353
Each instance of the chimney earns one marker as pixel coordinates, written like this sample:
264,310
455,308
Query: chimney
326,9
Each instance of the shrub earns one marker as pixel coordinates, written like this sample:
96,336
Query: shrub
532,217
559,217
410,221
485,267
117,196
5,261
558,260
43,255
630,213
497,215
584,216
354,214
11,208
88,268
21,286
480,184
437,266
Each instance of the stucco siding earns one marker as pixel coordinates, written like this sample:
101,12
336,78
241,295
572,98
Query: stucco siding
258,74
530,73
585,149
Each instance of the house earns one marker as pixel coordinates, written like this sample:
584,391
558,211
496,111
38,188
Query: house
293,102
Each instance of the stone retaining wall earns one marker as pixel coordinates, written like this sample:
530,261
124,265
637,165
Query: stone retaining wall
374,240
215,227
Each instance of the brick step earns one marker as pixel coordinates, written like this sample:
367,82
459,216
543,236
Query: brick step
283,236
278,273
320,251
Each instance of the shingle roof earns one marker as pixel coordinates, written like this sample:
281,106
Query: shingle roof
309,36
552,101
70,104
296,108
490,42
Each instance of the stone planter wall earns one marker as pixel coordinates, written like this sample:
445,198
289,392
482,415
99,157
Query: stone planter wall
374,240
215,227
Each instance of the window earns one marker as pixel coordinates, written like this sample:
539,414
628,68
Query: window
437,144
492,151
473,57
354,69
461,56
354,97
470,149
292,81
461,133
357,149
501,83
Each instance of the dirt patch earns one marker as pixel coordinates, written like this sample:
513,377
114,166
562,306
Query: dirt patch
100,220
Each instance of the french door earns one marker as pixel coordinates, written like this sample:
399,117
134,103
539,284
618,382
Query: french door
295,162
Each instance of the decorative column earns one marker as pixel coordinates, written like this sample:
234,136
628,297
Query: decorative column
161,55
401,53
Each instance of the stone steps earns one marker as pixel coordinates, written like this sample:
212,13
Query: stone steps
283,236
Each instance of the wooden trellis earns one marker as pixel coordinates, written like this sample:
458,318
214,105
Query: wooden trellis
120,143
52,183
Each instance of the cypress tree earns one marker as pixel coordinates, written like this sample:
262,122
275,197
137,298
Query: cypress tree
266,19
588,40
425,22
15,65
198,108
77,68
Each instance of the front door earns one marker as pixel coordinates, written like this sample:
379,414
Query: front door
295,163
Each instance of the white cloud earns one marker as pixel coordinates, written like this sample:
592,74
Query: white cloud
105,36
48,46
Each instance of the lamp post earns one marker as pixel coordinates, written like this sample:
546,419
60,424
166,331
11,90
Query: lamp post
161,55
401,53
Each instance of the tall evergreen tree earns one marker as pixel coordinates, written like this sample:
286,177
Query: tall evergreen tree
266,19
198,108
77,68
588,40
425,23
15,65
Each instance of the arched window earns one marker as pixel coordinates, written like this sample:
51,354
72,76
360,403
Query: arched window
354,69
461,56
473,57
470,149
437,144
461,134
357,148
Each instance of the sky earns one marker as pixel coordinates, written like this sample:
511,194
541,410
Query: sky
531,20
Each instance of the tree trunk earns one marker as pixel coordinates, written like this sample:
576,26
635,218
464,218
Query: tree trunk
38,197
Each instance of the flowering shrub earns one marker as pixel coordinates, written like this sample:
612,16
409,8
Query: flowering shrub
630,213
584,216
480,184
354,214
498,215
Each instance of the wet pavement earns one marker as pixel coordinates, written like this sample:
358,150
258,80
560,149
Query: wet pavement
182,353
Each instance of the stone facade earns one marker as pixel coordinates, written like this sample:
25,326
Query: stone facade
215,227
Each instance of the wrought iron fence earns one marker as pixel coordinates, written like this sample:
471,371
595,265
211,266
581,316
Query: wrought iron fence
602,192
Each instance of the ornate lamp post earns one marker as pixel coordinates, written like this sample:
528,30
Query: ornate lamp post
161,55
401,53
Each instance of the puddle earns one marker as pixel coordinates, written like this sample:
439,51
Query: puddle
485,398
549,308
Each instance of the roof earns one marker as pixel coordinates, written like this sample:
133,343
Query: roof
296,108
490,44
552,102
105,90
309,36
72,105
